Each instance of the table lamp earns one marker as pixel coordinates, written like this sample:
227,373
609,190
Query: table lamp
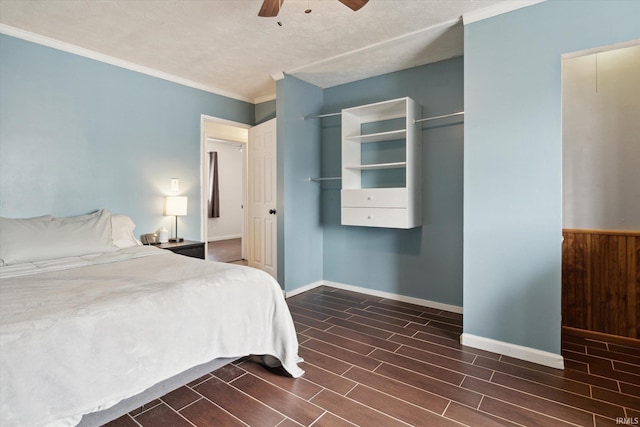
176,206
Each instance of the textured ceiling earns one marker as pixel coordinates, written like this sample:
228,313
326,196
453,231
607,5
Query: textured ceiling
224,46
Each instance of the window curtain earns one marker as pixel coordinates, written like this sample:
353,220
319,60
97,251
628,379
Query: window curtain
214,186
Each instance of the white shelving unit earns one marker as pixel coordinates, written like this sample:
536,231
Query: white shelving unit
381,165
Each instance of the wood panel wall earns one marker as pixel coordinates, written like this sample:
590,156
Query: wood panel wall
601,281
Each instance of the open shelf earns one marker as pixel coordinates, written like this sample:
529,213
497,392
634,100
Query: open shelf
379,137
381,182
393,165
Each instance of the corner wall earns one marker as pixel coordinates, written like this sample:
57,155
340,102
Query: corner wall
513,166
299,228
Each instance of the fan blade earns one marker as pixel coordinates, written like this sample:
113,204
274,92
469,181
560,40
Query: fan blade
354,4
270,8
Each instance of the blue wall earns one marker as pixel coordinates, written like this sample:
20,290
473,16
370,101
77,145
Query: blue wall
512,168
265,111
424,262
299,227
77,135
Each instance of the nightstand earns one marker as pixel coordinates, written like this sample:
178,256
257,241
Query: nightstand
187,248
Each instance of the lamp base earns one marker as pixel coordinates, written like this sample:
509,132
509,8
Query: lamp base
176,239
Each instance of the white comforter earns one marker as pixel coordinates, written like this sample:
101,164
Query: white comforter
81,334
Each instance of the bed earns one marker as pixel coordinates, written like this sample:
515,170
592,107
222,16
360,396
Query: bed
93,326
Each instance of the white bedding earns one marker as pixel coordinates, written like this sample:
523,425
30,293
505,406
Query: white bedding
80,334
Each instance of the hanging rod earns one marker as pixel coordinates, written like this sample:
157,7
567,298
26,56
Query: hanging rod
439,117
332,178
321,116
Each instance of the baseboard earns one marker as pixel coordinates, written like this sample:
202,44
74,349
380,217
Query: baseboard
302,289
381,294
513,350
232,236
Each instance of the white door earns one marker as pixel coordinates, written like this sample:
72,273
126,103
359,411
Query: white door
262,197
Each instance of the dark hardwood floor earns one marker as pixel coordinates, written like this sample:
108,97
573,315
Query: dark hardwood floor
376,362
225,250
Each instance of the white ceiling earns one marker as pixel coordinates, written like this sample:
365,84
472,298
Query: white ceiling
224,47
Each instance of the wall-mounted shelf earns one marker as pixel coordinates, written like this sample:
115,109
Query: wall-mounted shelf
380,136
393,165
381,165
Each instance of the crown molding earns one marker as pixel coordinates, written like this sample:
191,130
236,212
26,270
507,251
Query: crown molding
497,9
87,53
264,98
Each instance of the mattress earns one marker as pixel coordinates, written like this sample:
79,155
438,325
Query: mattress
78,335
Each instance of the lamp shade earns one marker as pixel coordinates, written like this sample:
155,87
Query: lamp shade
176,205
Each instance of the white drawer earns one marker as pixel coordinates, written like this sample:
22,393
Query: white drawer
375,197
376,217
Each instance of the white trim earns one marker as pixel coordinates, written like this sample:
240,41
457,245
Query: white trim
381,294
600,49
204,175
264,98
87,53
278,75
219,238
495,10
302,289
513,350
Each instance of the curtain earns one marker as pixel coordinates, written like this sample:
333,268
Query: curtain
214,186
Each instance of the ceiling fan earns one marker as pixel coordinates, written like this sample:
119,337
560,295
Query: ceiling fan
271,8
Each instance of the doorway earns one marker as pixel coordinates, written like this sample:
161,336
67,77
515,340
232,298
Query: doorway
224,229
601,198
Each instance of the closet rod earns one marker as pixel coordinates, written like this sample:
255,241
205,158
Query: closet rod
324,179
439,117
321,116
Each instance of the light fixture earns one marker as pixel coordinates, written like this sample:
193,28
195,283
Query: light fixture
176,206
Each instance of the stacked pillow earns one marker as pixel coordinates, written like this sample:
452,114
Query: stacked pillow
48,237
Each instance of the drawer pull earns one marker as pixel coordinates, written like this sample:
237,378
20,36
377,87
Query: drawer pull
370,198
369,216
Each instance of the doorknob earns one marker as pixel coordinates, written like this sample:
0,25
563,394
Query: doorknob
272,211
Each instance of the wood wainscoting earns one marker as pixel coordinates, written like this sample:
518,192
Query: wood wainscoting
601,281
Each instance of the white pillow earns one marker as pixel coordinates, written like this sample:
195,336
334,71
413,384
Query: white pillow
122,232
33,239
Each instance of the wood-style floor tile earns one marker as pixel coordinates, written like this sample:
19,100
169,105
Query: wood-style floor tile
282,401
525,416
123,421
239,404
528,401
424,399
557,395
451,353
342,354
372,361
330,420
161,416
339,341
417,366
399,409
431,385
473,417
180,397
300,387
353,411
204,413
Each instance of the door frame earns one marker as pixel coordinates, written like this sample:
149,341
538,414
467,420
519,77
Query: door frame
204,177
